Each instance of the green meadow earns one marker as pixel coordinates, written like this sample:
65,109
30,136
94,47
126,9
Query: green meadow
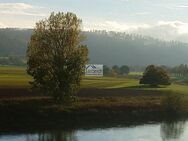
14,77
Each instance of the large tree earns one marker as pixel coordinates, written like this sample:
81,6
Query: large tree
155,75
55,56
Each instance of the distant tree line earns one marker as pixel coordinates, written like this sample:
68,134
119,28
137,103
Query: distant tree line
132,49
107,48
178,71
12,61
116,70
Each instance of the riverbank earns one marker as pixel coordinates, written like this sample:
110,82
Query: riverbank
29,110
102,100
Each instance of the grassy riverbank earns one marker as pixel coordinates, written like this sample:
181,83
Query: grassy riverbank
31,113
102,99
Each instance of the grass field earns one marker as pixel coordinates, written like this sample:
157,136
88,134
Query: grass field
14,77
17,77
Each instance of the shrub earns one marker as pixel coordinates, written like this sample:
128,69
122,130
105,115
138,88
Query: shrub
154,75
172,104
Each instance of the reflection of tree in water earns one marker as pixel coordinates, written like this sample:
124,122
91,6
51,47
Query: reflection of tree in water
58,136
172,130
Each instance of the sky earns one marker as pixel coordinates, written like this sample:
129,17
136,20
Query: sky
158,18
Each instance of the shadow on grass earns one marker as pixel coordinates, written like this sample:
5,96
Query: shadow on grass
145,86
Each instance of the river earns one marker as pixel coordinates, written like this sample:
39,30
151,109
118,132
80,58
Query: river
164,131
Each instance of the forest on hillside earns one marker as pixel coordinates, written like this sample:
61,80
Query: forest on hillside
107,48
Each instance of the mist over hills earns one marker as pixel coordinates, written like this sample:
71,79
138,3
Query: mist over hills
13,42
132,49
108,48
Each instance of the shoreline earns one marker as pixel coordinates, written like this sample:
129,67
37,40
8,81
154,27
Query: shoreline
31,112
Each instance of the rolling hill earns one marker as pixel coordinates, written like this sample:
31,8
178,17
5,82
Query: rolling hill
107,48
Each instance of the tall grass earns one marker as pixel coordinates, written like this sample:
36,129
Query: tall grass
173,104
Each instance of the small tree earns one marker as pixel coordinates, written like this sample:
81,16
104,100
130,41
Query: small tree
106,70
116,69
55,57
154,75
124,70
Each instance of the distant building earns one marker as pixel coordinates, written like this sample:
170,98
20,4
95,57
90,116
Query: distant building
94,70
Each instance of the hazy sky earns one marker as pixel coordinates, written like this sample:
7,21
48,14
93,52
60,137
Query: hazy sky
143,16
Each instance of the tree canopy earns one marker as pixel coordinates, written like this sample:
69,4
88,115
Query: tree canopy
124,70
106,70
116,69
155,75
55,55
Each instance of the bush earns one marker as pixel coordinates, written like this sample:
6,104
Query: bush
172,104
155,75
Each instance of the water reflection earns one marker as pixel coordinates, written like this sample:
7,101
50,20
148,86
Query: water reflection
58,136
165,131
172,129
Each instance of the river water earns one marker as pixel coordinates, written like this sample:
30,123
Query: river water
164,131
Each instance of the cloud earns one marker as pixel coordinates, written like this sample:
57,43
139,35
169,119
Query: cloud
2,25
179,26
20,9
124,0
113,26
165,30
176,7
182,6
21,13
142,13
18,6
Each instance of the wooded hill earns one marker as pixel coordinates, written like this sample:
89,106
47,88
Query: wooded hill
106,48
